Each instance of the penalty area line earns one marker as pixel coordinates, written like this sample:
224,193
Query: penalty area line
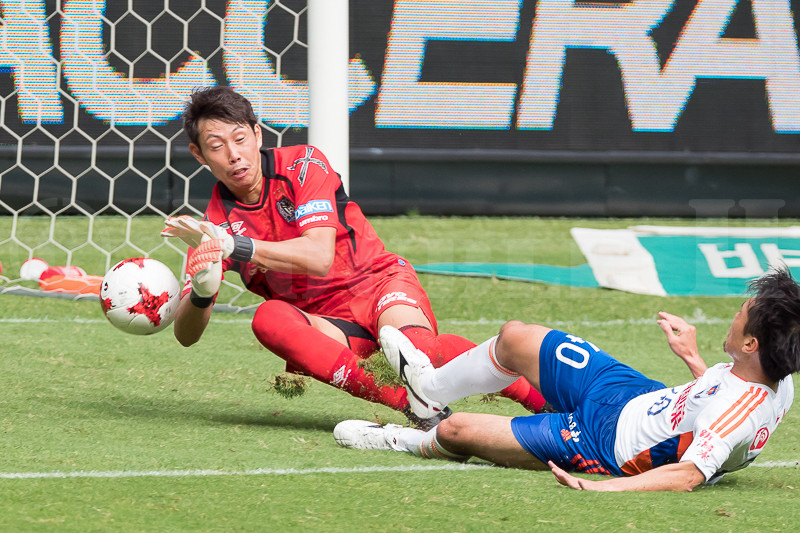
256,472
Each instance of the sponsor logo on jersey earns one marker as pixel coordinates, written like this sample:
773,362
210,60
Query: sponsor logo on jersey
313,218
238,228
705,444
679,410
314,206
285,208
761,439
711,391
253,269
574,432
304,162
394,297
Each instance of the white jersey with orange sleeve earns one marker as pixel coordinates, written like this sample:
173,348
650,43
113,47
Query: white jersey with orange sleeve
719,422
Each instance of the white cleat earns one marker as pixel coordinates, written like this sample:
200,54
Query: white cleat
411,365
366,435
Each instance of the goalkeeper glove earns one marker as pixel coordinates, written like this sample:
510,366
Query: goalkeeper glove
192,232
205,270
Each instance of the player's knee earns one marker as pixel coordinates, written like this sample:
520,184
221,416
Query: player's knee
271,320
517,343
451,431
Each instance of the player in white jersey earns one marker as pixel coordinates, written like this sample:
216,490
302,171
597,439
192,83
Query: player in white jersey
719,422
611,419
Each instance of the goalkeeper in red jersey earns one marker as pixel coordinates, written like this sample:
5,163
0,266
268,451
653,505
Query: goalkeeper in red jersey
280,218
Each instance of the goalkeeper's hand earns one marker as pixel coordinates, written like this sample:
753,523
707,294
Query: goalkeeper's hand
192,232
205,268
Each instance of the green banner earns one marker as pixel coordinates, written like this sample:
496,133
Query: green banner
658,260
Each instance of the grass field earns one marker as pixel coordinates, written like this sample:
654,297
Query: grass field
102,431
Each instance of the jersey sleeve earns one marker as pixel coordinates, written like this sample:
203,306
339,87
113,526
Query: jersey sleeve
730,427
315,184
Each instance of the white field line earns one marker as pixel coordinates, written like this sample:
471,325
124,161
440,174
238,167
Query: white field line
778,464
701,320
96,474
256,472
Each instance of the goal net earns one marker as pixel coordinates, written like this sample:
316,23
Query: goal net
92,154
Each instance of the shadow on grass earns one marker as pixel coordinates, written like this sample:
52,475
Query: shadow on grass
209,412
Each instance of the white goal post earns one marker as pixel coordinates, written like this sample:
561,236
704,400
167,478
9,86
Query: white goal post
92,153
328,58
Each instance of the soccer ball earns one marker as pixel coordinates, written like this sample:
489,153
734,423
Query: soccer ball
140,295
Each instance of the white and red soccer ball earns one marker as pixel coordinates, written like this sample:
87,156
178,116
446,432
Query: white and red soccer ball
140,295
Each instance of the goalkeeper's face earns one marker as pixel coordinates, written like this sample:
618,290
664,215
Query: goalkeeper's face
231,151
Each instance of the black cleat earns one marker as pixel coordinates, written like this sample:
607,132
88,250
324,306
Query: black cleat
426,424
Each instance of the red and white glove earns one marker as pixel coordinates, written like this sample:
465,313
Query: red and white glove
205,268
193,232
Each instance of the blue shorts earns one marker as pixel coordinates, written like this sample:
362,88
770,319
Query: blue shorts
589,388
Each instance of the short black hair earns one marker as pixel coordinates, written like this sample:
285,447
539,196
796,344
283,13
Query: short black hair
773,318
218,102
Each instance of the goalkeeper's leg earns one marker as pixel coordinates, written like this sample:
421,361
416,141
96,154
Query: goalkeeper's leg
286,331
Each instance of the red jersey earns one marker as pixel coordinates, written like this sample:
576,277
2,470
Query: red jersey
301,191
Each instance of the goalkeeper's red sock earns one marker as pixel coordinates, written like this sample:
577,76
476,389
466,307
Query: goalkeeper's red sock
284,330
444,347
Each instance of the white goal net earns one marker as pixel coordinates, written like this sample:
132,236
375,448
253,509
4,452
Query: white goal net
92,154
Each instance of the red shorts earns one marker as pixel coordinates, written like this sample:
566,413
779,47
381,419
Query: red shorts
364,303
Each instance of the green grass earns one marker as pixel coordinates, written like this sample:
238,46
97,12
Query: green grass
80,396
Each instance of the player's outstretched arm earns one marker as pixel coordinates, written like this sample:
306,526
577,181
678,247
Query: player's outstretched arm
190,321
312,253
205,270
681,477
682,339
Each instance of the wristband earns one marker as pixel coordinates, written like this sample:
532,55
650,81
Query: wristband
201,301
243,249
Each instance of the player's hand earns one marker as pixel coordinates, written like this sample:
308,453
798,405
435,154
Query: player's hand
682,339
205,268
577,483
681,336
565,478
191,231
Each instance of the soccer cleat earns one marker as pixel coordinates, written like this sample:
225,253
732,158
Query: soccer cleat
426,424
547,408
366,435
411,365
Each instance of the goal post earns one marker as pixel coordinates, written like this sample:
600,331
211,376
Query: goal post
328,58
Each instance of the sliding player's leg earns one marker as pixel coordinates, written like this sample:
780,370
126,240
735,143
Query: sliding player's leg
402,303
478,370
486,436
457,438
444,347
